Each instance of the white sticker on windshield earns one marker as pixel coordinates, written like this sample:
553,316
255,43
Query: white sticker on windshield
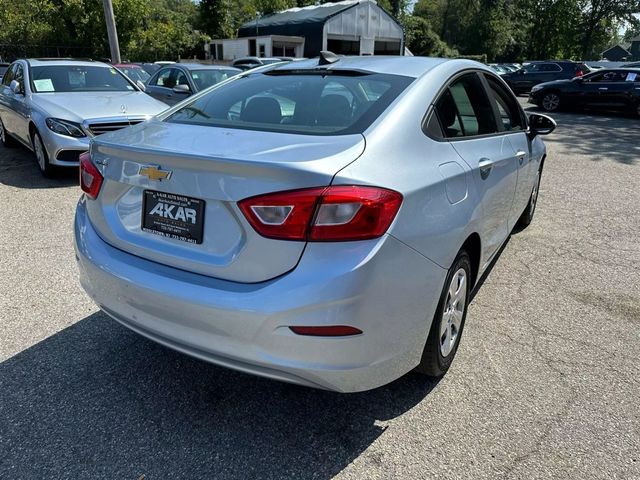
44,85
631,77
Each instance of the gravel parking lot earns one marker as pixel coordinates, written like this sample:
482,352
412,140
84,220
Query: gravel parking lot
545,384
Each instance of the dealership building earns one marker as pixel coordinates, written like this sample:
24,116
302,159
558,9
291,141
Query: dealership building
352,27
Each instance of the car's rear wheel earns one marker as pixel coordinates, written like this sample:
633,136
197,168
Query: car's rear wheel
41,154
527,216
448,322
551,101
5,138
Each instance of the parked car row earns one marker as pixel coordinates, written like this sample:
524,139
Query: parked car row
610,89
54,107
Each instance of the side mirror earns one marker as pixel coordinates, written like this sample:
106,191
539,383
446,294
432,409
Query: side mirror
181,89
141,85
15,86
540,124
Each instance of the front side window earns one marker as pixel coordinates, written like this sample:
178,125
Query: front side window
8,76
136,74
78,78
550,67
181,78
608,77
302,102
165,79
464,109
19,77
507,106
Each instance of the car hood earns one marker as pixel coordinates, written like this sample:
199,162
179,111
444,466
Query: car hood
79,106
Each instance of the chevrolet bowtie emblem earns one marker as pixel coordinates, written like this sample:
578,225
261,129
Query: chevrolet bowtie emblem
154,173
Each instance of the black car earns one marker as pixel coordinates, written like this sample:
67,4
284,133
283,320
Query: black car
533,73
247,63
611,89
3,68
174,83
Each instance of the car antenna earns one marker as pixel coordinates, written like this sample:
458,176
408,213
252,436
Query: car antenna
327,58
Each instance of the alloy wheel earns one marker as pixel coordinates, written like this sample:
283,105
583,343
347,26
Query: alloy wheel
39,151
453,313
534,194
550,102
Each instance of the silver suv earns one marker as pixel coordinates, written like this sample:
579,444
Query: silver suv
55,106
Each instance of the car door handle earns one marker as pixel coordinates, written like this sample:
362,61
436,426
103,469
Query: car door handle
521,155
485,165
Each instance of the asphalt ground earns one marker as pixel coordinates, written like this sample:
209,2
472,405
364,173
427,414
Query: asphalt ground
545,383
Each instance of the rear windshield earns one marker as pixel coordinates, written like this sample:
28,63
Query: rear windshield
136,73
78,78
305,103
205,78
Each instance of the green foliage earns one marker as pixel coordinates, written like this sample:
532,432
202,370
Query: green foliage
165,29
422,40
147,29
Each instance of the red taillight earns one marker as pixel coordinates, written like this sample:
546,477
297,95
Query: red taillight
323,214
327,331
90,176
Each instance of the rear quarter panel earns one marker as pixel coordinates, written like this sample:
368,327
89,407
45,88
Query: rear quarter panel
441,207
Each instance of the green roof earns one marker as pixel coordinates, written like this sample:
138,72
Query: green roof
312,14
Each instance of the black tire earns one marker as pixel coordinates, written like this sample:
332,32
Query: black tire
551,101
7,140
42,157
434,362
527,216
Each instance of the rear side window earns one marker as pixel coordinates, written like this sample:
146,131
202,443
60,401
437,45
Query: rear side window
550,67
464,109
507,106
296,102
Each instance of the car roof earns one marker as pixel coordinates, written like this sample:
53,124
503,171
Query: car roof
128,65
397,65
36,62
200,66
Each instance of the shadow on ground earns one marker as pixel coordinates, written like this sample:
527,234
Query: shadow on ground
97,401
18,168
598,135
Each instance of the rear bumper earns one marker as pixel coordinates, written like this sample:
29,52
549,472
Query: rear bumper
381,286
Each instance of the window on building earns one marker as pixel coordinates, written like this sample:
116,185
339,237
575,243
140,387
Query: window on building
343,47
386,48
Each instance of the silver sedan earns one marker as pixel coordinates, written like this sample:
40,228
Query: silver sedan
54,107
322,223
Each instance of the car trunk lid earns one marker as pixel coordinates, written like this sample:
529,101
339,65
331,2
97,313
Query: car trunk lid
211,169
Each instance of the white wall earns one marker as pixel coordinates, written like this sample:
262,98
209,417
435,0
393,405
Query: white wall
366,21
235,48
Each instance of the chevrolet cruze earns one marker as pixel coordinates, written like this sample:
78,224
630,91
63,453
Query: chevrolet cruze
322,222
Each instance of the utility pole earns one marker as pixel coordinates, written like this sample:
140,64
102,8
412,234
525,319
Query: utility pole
111,31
